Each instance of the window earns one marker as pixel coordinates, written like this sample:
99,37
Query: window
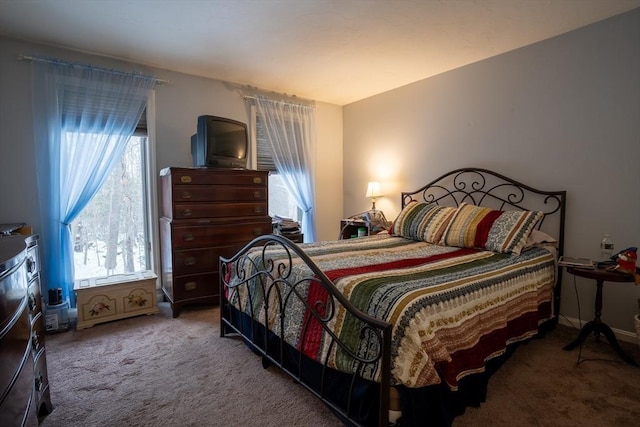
112,234
281,203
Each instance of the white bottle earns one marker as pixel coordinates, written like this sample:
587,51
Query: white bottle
606,247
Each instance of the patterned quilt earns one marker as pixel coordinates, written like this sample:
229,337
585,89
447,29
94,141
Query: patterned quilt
452,309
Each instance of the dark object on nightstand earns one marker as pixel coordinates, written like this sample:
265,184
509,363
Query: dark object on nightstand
349,228
597,326
363,224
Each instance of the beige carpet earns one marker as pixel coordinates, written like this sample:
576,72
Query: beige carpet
155,370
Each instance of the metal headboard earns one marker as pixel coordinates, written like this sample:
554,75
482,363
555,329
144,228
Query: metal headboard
482,187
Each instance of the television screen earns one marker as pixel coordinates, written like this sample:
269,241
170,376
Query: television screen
220,142
226,139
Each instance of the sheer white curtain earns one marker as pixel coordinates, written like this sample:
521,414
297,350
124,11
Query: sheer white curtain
83,118
291,131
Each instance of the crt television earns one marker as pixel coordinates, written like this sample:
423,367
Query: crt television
219,142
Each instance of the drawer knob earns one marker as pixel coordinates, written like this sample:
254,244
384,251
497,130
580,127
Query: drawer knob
186,194
257,209
190,286
32,301
185,179
187,237
257,194
31,265
190,260
257,180
35,343
186,212
38,382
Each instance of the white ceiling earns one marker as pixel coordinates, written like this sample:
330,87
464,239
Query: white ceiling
334,51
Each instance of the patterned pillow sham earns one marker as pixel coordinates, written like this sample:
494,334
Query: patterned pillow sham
422,222
493,230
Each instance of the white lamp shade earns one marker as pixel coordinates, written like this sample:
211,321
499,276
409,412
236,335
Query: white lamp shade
373,190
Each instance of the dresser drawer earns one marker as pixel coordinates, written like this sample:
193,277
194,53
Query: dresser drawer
184,176
219,210
37,336
15,345
201,260
41,381
13,290
33,262
34,298
194,236
194,286
218,193
15,408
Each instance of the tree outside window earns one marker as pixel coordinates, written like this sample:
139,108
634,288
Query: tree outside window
111,234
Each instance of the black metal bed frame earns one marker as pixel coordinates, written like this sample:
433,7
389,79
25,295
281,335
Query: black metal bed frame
482,187
469,185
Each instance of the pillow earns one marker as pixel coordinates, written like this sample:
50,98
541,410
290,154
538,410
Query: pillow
540,238
493,230
422,221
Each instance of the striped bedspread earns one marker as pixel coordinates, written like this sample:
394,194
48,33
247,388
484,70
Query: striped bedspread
452,309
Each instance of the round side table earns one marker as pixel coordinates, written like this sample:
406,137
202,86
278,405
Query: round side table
597,326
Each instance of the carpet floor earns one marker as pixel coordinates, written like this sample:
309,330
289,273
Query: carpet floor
156,370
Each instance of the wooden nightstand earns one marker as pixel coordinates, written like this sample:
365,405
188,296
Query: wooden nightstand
349,228
597,326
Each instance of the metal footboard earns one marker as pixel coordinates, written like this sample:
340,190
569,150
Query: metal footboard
256,294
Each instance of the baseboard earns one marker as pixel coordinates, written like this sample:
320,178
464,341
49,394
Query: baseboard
620,334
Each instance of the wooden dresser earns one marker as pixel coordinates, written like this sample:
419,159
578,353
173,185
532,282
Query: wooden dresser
24,384
206,213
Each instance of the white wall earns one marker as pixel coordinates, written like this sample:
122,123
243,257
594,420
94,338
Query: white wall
177,105
328,171
561,114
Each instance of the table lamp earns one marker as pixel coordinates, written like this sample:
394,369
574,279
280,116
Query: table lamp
373,191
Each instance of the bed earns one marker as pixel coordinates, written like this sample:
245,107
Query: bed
412,322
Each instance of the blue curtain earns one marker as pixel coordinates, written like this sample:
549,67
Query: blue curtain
83,117
290,131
